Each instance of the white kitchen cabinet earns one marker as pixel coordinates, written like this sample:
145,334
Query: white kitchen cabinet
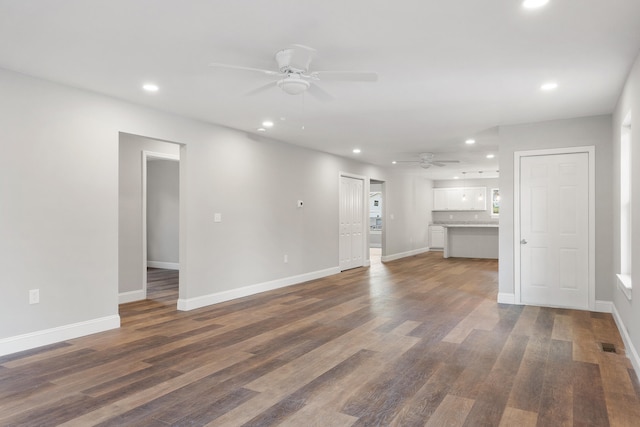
460,199
440,202
436,237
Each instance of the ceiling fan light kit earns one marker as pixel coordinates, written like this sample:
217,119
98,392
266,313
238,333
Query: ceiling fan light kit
293,84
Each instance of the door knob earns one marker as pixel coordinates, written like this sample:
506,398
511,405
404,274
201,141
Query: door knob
523,242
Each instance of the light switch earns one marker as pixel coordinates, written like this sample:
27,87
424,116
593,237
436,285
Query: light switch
217,217
34,296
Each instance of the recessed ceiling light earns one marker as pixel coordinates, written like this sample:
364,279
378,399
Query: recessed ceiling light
262,130
267,123
150,87
534,4
470,141
356,151
490,156
394,162
456,177
549,86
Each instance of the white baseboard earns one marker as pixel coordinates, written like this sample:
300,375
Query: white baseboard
165,265
632,354
197,302
393,257
61,333
604,306
504,298
131,296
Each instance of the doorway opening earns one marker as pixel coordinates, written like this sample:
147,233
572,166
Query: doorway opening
376,221
149,212
160,214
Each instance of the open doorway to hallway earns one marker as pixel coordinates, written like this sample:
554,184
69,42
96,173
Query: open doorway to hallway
148,242
376,221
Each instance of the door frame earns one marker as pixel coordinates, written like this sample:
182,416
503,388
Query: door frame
146,155
366,262
517,156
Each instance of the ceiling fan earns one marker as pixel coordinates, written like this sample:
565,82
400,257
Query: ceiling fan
293,75
426,160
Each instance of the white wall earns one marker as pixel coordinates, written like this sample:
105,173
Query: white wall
59,207
130,262
628,312
408,199
586,131
163,211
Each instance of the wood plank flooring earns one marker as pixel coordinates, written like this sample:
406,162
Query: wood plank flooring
414,342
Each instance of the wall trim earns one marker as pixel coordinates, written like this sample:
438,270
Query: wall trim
393,257
131,296
604,306
505,298
164,264
61,333
205,300
631,352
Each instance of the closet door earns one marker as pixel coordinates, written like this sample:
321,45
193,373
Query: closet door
351,223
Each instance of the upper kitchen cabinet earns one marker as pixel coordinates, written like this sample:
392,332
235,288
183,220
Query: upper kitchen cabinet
460,199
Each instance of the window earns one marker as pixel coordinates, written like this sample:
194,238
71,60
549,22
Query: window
624,278
495,202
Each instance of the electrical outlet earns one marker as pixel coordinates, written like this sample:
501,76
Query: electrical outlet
450,216
34,296
286,258
217,217
476,216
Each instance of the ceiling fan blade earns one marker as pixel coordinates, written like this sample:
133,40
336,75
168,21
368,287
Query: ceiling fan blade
407,161
243,68
319,93
261,89
438,164
447,161
346,76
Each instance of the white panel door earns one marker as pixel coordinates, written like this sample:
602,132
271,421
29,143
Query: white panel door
554,230
351,223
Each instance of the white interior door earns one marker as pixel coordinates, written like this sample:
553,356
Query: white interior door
554,230
351,223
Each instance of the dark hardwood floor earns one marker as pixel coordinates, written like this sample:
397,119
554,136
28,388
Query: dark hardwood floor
414,342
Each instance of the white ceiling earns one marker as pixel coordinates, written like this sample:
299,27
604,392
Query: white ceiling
448,70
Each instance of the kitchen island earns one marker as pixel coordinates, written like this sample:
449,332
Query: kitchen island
471,240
